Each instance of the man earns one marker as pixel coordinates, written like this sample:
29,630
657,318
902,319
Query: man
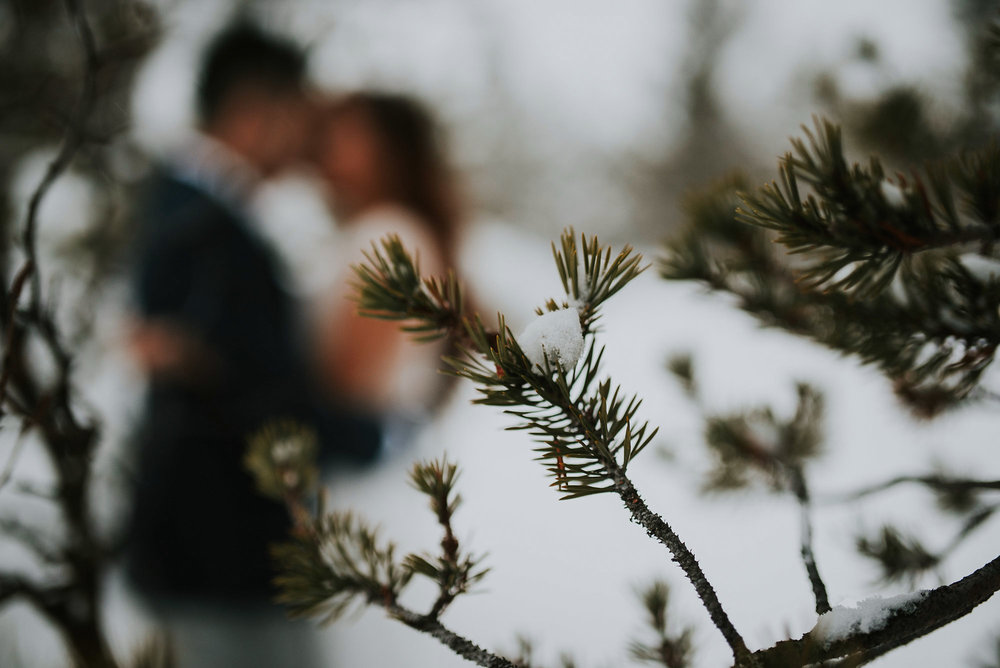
217,335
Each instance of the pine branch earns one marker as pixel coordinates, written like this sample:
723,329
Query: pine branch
586,433
389,286
603,275
658,529
934,334
453,571
934,609
858,225
581,444
341,562
461,646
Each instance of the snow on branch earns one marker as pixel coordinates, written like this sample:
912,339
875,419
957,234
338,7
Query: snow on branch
586,429
878,626
867,616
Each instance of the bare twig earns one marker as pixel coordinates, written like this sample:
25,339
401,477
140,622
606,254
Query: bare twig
462,646
72,141
938,483
801,491
15,454
30,538
657,528
12,586
972,523
12,298
31,489
73,606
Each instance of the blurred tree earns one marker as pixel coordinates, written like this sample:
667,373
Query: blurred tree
65,73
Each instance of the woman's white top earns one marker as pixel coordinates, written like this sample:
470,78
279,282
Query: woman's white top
406,377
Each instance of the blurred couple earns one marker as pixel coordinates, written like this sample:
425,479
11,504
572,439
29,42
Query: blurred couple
227,350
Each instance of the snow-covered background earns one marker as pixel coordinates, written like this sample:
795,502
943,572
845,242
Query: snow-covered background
543,101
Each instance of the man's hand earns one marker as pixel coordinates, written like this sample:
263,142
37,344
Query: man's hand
166,350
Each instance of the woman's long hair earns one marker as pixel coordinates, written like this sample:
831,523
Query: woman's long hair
416,174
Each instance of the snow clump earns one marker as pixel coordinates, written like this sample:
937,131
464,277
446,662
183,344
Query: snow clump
893,194
871,614
556,337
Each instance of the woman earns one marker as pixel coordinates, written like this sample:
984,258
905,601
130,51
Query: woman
381,157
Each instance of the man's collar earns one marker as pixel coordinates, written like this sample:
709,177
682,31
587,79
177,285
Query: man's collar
210,165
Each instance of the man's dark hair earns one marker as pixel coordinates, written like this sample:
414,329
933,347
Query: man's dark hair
244,55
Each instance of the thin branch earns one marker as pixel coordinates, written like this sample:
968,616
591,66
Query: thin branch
657,528
72,141
449,555
460,645
35,490
15,455
16,586
12,297
972,523
30,538
938,483
801,491
935,609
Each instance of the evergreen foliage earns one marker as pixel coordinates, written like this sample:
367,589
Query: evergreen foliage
525,656
336,560
891,272
340,562
390,287
453,571
672,650
585,433
585,426
282,460
757,441
901,557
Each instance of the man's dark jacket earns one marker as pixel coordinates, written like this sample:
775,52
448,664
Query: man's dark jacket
199,529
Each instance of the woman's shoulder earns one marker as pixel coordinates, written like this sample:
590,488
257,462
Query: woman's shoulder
383,220
388,217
